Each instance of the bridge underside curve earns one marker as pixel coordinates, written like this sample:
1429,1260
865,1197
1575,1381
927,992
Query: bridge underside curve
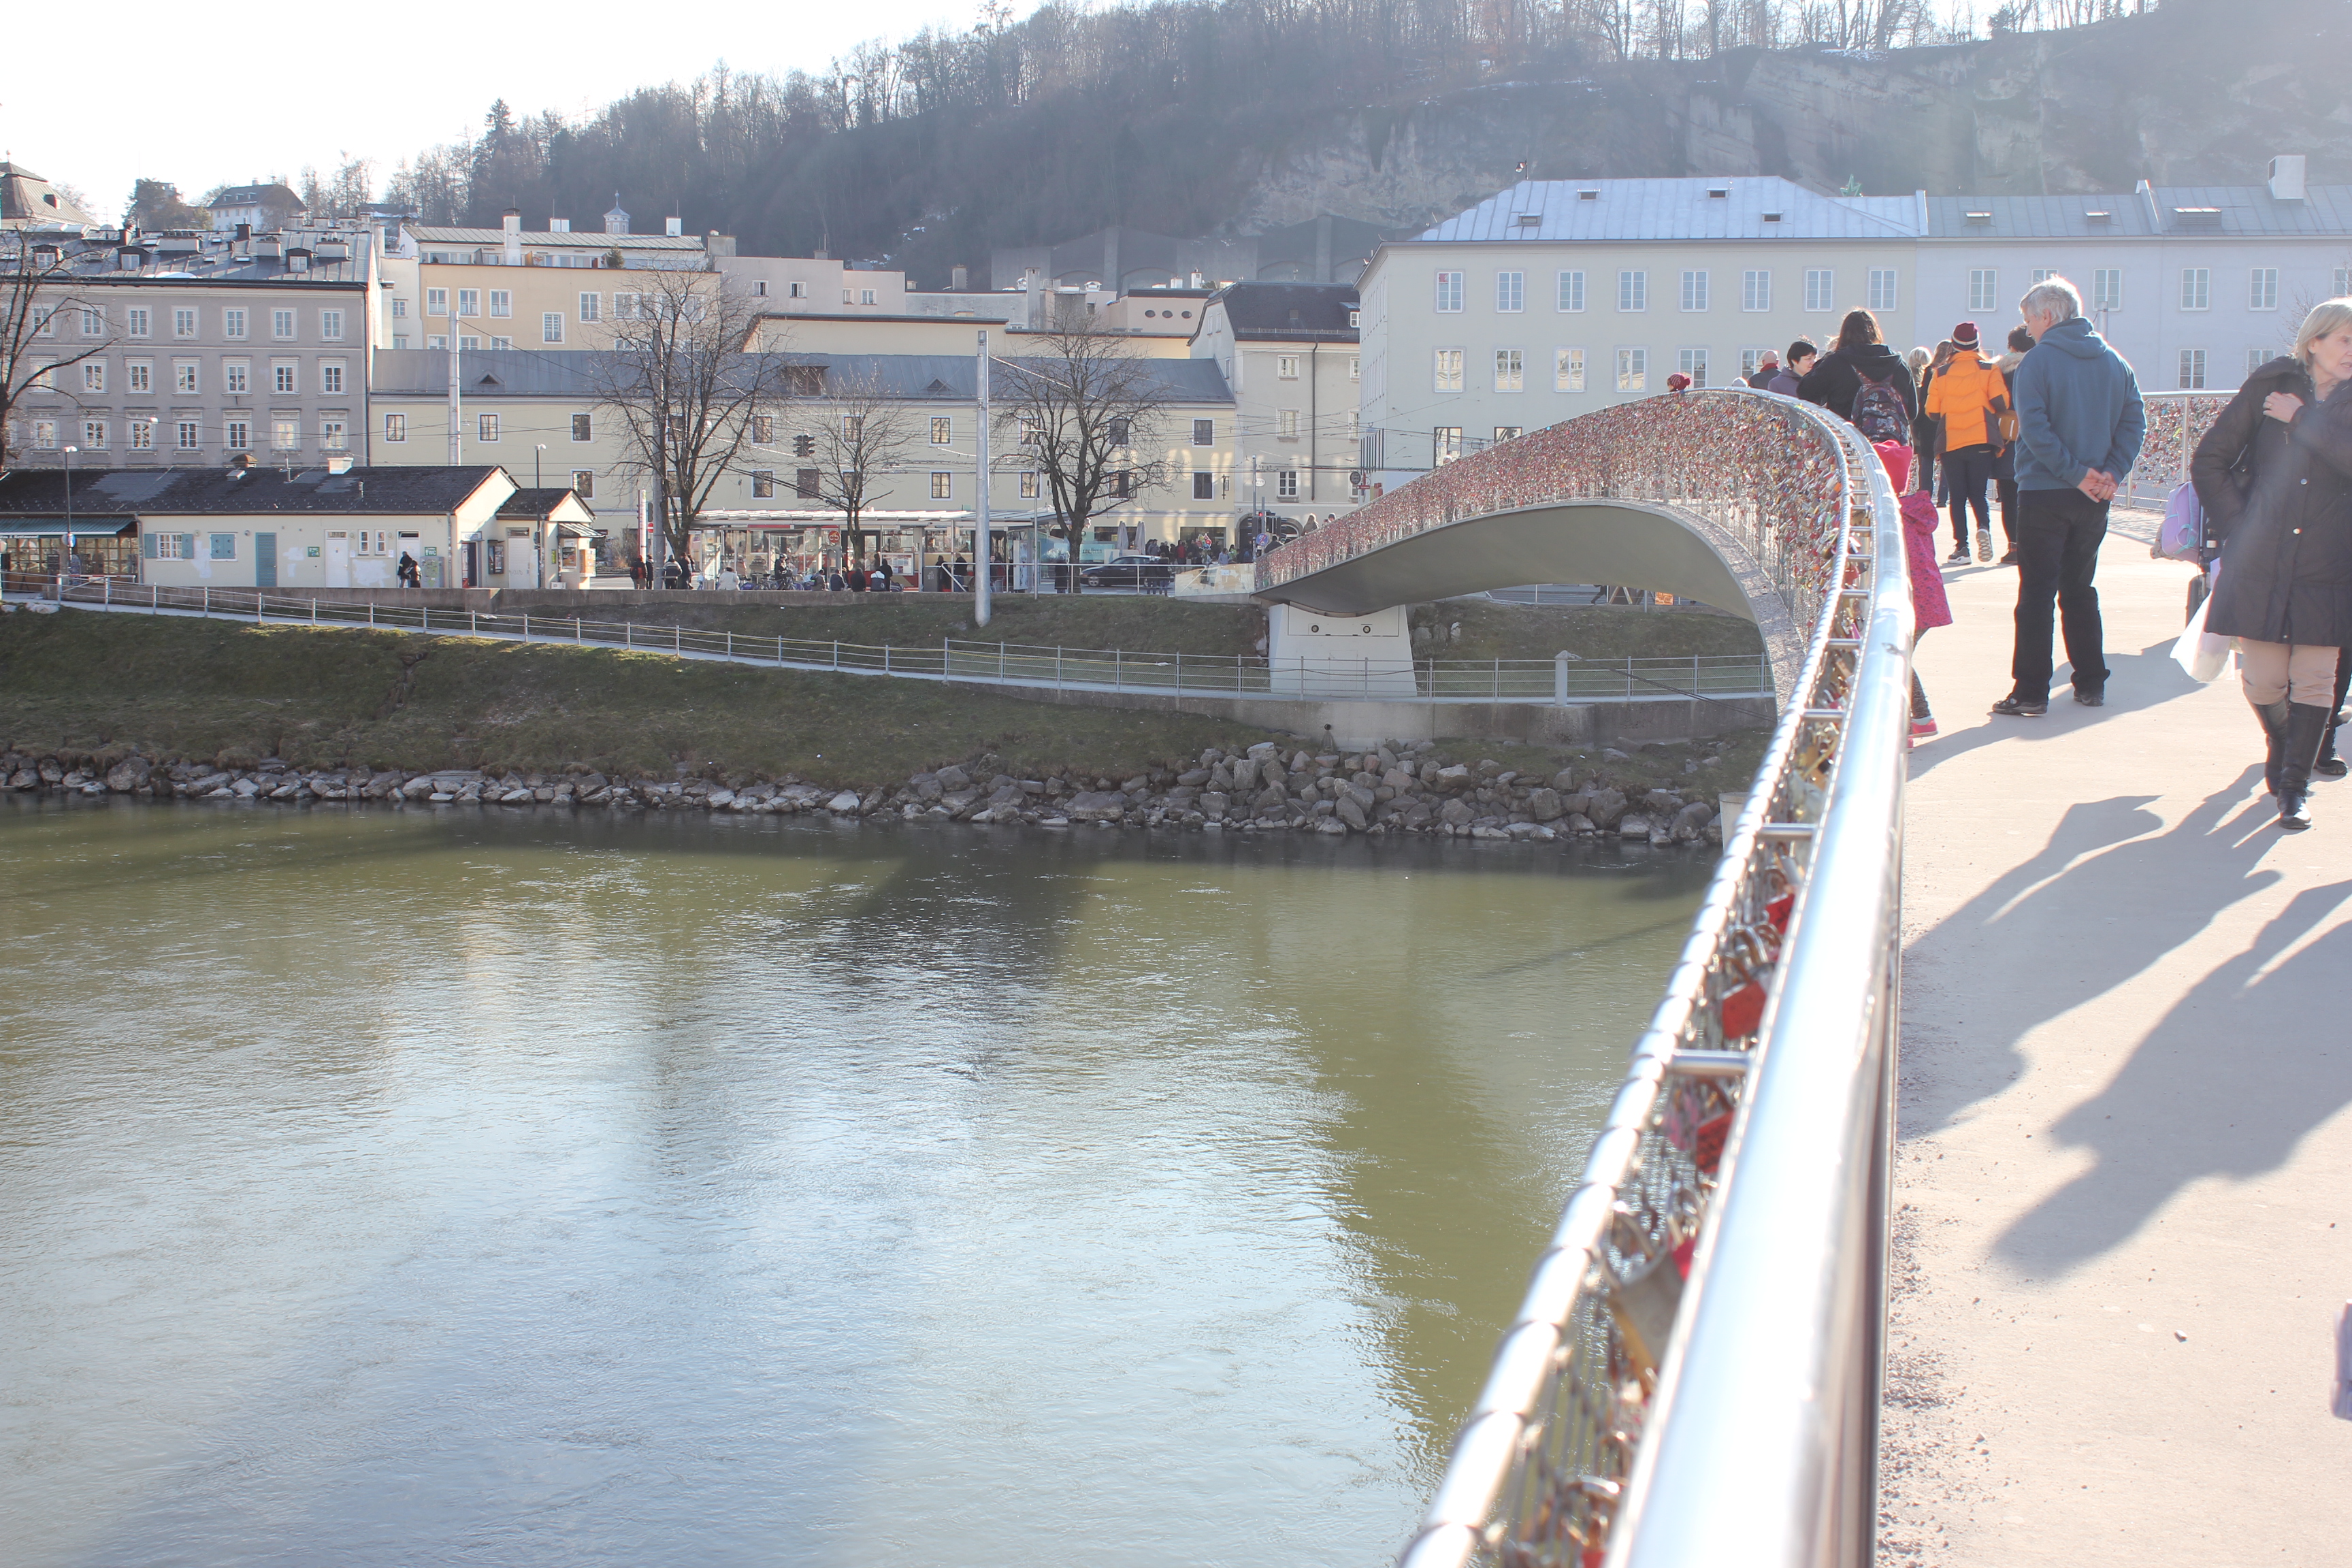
1635,545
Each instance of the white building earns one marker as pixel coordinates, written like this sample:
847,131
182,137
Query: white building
1289,352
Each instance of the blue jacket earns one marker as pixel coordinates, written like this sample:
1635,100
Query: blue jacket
2078,408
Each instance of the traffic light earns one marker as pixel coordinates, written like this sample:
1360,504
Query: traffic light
803,446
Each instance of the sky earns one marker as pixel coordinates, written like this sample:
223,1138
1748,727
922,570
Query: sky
202,97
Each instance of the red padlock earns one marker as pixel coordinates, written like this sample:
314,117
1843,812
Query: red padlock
1743,1010
1708,1153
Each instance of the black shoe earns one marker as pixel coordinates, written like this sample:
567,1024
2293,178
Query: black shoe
2329,768
2306,723
1959,557
2016,707
2091,695
2008,560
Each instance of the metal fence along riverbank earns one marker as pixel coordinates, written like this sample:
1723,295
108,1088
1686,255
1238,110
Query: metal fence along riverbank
1564,679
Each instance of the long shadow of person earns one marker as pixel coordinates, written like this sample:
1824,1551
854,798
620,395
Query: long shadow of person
2239,1071
2103,901
2134,681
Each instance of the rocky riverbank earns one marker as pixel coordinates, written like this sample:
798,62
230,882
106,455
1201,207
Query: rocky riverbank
1393,788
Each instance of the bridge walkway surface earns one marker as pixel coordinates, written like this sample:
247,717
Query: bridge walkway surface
2123,1236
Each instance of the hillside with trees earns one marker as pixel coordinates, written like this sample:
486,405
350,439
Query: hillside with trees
1201,115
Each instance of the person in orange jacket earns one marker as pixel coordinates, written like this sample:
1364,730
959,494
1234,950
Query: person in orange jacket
1966,401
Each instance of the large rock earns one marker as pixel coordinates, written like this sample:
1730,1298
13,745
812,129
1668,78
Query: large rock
1214,804
844,804
1364,798
1096,805
1351,812
1662,803
1632,824
1605,807
1692,820
1246,772
419,787
953,777
1456,813
1192,778
1397,779
1564,781
1270,798
1456,777
128,774
1545,806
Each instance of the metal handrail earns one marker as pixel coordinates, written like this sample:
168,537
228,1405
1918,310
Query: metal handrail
2176,422
1655,1417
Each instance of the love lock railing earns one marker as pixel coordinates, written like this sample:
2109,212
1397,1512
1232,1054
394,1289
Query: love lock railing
1694,1375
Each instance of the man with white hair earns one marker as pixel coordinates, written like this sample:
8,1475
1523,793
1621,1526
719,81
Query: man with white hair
2079,424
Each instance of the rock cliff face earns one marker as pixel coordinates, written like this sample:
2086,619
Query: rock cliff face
2201,91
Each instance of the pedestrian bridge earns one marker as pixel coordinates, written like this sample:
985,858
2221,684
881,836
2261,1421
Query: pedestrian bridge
1693,1375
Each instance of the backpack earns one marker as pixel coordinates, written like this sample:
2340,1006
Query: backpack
1879,413
2181,535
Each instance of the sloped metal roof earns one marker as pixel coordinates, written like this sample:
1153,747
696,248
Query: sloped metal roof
549,239
2148,212
1677,209
174,493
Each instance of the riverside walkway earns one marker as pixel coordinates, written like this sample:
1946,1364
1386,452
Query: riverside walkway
2123,1226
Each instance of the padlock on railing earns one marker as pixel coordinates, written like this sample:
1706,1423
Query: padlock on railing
1645,1297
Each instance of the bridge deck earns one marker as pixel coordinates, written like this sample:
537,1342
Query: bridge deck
2124,1074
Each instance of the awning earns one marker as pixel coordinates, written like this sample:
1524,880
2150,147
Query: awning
55,527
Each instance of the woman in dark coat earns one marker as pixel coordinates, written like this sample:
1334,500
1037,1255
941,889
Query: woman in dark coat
2275,477
1837,376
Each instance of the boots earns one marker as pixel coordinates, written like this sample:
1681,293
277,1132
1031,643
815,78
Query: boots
2306,723
2274,717
2329,765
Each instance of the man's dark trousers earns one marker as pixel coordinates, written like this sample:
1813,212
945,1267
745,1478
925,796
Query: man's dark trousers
2058,535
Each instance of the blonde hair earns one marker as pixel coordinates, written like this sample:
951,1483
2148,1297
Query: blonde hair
2327,316
1918,360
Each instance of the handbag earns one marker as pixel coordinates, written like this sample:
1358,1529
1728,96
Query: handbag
2203,653
2181,535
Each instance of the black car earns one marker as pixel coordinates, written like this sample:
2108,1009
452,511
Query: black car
1138,573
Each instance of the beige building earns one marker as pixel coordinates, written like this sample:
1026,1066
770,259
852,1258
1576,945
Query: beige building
1289,352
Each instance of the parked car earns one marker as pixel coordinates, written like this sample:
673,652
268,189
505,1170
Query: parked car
1140,572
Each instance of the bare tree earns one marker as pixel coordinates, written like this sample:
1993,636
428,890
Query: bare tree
692,395
859,440
1081,414
37,275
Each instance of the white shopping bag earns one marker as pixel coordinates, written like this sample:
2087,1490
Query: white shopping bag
2203,655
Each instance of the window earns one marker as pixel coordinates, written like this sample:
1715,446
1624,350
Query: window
281,379
1444,444
93,435
469,301
589,307
399,309
334,434
1355,367
1286,367
1510,371
1511,291
285,434
93,376
495,342
1286,424
2262,289
1984,288
1286,484
1204,485
1881,288
141,375
501,302
1692,363
763,429
1509,431
223,546
2107,288
236,376
330,377
1694,291
1750,360
1028,487
437,302
866,296
852,427
1632,370
2192,370
764,483
137,323
143,435
486,428
1568,369
2038,276
584,427
45,435
1449,291
93,322
169,546
1571,295
2343,284
188,437
805,483
942,484
233,324
1821,289
330,326
45,320
551,326
584,483
1122,431
395,428
796,291
1633,290
183,323
942,430
2196,288
184,376
281,324
1446,371
1755,289
1205,432
1030,431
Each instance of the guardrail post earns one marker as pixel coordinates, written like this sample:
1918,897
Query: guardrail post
106,592
1057,670
677,637
314,612
730,645
837,653
1559,677
576,628
886,658
1114,670
629,634
1180,672
526,626
1496,691
208,599
371,612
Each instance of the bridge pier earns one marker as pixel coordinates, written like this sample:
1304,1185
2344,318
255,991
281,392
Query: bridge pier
1313,654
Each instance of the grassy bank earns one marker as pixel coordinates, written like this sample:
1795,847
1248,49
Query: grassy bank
1489,630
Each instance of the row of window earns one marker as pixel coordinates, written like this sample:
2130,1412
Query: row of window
1286,366
1632,367
186,321
1695,293
763,430
2107,288
285,376
188,435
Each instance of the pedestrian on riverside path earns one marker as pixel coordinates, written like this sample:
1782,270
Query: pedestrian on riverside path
2275,477
1859,364
2079,424
1801,355
1929,606
1924,364
2004,462
1964,407
1760,378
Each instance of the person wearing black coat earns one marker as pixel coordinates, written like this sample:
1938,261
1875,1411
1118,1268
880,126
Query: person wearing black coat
2274,477
1836,377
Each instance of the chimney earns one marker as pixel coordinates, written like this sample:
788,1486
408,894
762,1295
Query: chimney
339,465
959,278
674,227
513,228
718,244
2287,176
243,233
1032,283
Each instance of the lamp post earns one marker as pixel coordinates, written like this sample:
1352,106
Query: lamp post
539,546
65,558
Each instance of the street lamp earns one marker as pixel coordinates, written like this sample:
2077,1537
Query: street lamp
65,559
535,451
539,546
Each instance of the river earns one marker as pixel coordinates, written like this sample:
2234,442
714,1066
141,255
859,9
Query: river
394,1187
